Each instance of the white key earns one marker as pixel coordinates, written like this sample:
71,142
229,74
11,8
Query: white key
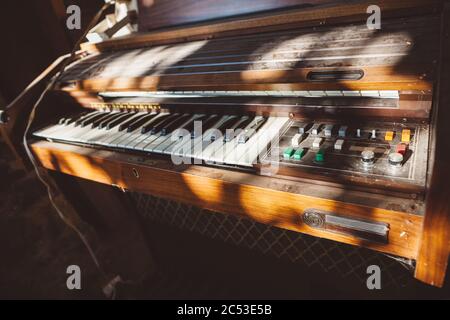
130,139
50,130
46,132
94,132
114,134
160,139
142,143
234,152
139,142
210,137
84,137
155,143
260,141
229,144
174,142
78,131
208,152
201,144
55,131
101,133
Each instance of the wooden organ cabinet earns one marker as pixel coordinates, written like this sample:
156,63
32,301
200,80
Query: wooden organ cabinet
289,113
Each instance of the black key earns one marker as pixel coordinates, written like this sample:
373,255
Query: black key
175,124
62,121
228,124
104,123
251,130
86,117
120,120
137,123
210,122
152,122
224,126
158,127
125,121
206,124
90,120
190,126
258,124
80,115
72,119
239,125
243,124
99,120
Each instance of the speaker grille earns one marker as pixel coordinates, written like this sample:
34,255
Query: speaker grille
343,260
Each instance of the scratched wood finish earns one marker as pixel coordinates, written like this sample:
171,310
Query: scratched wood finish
434,250
278,207
399,57
375,79
155,14
338,13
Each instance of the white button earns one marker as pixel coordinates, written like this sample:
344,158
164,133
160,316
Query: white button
358,133
297,139
317,143
328,130
343,131
374,134
316,129
339,144
302,128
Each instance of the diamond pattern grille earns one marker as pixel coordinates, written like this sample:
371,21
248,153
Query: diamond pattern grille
329,256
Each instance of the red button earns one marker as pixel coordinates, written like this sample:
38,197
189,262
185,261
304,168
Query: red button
402,148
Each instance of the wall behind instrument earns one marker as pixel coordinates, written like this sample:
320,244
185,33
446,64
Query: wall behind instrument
34,34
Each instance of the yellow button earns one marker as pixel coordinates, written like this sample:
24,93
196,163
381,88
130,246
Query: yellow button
389,136
406,135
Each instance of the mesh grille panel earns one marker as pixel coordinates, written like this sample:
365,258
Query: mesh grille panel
341,259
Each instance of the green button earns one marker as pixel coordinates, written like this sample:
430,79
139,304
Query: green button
320,156
287,154
298,155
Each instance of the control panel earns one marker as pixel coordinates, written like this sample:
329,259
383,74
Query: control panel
387,155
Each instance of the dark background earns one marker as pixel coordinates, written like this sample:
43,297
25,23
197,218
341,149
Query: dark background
33,35
35,246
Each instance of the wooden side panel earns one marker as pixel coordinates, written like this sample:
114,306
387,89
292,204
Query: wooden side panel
155,14
241,194
434,250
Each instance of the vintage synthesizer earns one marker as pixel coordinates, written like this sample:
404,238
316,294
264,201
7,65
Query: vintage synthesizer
304,118
390,155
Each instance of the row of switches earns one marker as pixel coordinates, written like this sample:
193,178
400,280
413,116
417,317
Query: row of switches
328,132
298,138
298,154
